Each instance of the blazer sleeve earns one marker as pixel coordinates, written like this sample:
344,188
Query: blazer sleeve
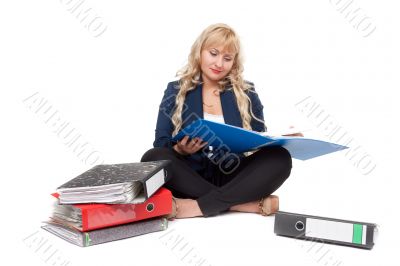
164,127
258,110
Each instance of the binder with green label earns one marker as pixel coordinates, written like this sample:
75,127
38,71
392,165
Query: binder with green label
325,230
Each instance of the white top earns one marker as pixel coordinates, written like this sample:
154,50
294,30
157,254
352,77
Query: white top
214,118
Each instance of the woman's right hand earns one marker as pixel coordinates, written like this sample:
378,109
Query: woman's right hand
186,146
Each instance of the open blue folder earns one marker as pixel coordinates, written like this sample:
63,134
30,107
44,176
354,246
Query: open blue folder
239,140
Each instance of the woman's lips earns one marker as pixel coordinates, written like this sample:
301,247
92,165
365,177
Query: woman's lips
215,71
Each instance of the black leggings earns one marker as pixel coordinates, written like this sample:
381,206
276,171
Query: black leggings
257,176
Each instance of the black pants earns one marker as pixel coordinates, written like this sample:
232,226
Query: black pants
257,176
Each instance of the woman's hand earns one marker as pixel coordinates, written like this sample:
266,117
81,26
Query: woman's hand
186,146
294,134
298,134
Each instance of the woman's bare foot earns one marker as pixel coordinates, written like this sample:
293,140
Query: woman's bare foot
269,206
187,208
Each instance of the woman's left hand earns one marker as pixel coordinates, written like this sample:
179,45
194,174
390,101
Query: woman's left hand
298,134
294,134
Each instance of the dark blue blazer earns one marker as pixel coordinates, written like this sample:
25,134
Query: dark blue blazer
193,110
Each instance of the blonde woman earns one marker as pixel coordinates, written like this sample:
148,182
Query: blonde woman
211,87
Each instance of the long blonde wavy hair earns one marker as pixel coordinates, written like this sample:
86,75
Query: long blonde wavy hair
190,74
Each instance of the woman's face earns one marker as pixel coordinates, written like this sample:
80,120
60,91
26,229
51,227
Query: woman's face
216,63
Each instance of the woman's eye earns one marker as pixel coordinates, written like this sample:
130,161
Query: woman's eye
213,53
228,59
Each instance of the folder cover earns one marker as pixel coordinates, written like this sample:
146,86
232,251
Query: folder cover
115,183
325,230
85,239
239,140
86,217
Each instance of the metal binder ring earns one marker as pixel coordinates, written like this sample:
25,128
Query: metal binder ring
150,207
299,225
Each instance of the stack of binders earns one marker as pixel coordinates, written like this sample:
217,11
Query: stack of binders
112,202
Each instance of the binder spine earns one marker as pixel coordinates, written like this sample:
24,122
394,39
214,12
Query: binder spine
124,231
152,184
86,239
326,230
85,219
103,215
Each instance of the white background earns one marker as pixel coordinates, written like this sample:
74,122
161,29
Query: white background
108,89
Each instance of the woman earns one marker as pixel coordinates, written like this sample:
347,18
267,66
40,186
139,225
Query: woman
211,87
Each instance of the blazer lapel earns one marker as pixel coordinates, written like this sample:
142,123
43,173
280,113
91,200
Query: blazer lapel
193,108
229,108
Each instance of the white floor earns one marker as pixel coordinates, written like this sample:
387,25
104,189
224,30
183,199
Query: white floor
315,187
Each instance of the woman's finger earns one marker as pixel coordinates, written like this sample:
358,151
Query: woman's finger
193,142
204,144
192,145
200,144
186,144
184,140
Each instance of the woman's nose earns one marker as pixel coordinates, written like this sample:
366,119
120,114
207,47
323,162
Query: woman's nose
219,61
